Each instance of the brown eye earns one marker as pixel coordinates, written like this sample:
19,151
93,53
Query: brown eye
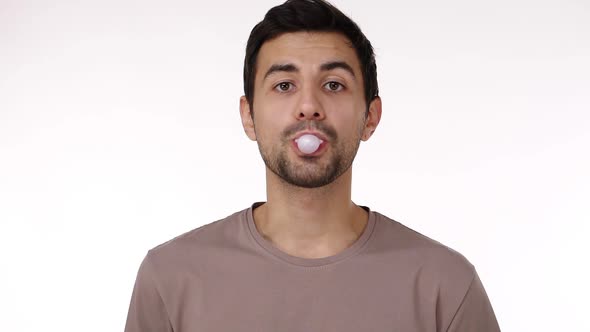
283,86
334,86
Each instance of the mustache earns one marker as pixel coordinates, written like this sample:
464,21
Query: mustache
321,127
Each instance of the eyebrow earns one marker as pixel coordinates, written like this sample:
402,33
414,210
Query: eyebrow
291,68
337,64
287,67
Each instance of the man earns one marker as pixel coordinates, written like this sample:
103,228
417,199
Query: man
308,259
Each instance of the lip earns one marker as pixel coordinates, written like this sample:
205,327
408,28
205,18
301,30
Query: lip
315,133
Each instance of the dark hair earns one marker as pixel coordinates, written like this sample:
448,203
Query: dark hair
309,15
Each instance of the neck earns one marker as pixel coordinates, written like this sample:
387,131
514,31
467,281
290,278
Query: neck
310,223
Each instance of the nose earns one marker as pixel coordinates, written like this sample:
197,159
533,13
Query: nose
309,107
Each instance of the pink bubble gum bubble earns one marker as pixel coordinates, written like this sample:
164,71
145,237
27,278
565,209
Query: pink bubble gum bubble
308,143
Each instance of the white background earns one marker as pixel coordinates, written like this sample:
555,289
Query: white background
119,130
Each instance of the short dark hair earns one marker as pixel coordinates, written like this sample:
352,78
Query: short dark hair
309,15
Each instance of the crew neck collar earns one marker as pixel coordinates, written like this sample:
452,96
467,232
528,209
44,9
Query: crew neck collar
310,262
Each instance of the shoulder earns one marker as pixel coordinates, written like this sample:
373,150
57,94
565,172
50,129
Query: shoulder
439,275
196,246
432,261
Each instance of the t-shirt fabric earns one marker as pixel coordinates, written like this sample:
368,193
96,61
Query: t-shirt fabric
225,276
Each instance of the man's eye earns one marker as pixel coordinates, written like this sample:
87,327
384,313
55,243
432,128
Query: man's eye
334,86
284,86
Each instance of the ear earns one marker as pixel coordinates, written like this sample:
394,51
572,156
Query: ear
247,118
373,118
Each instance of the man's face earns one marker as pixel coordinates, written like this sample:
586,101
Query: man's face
308,83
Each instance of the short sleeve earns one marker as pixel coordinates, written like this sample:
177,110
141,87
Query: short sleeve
147,311
475,314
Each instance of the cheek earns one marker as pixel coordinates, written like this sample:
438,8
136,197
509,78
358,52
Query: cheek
267,127
273,114
348,116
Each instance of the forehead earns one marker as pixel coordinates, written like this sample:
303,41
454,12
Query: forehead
307,49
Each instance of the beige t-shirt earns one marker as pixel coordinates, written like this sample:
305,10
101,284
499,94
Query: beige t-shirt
224,276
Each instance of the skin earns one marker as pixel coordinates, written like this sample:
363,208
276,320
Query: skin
309,212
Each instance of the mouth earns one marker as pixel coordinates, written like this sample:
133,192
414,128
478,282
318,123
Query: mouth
317,134
319,151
